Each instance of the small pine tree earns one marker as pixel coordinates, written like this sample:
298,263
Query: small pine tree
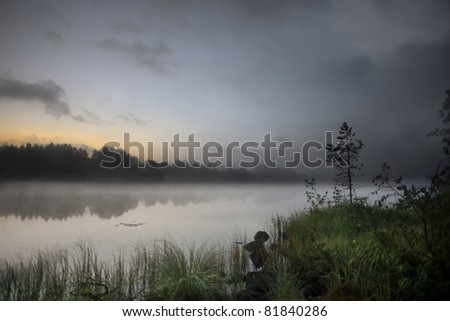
344,156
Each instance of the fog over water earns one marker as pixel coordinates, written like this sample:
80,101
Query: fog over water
113,217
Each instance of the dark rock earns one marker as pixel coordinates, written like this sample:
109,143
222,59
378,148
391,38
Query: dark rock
258,253
258,286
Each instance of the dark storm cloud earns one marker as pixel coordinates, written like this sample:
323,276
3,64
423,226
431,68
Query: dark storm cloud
409,84
427,63
392,102
358,67
46,92
350,69
130,118
418,76
412,154
54,38
156,58
409,151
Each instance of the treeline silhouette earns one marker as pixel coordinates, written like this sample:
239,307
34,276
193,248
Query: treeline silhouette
60,201
64,162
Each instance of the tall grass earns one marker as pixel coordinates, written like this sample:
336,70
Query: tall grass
166,271
195,275
358,252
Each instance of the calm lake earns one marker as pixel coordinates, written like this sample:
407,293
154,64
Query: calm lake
115,216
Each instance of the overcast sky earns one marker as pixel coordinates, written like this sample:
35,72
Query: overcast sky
85,72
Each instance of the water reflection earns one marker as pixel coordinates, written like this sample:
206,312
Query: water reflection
58,201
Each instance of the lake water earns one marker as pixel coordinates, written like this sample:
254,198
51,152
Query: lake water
112,217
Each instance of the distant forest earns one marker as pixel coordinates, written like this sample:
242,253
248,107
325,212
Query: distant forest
64,162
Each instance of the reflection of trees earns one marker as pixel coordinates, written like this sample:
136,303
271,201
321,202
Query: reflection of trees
60,201
108,206
44,206
63,206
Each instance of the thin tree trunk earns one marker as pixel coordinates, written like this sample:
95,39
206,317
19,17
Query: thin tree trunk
349,177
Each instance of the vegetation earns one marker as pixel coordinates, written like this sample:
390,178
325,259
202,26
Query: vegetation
361,252
441,175
165,271
344,156
64,162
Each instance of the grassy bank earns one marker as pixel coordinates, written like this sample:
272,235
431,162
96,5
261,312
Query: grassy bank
361,252
350,252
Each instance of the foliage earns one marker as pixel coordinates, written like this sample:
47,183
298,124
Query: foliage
64,162
344,156
322,200
360,252
444,131
313,197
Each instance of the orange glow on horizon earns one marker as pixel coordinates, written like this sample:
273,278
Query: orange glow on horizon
79,140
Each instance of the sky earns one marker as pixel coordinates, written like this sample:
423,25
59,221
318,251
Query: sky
85,72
